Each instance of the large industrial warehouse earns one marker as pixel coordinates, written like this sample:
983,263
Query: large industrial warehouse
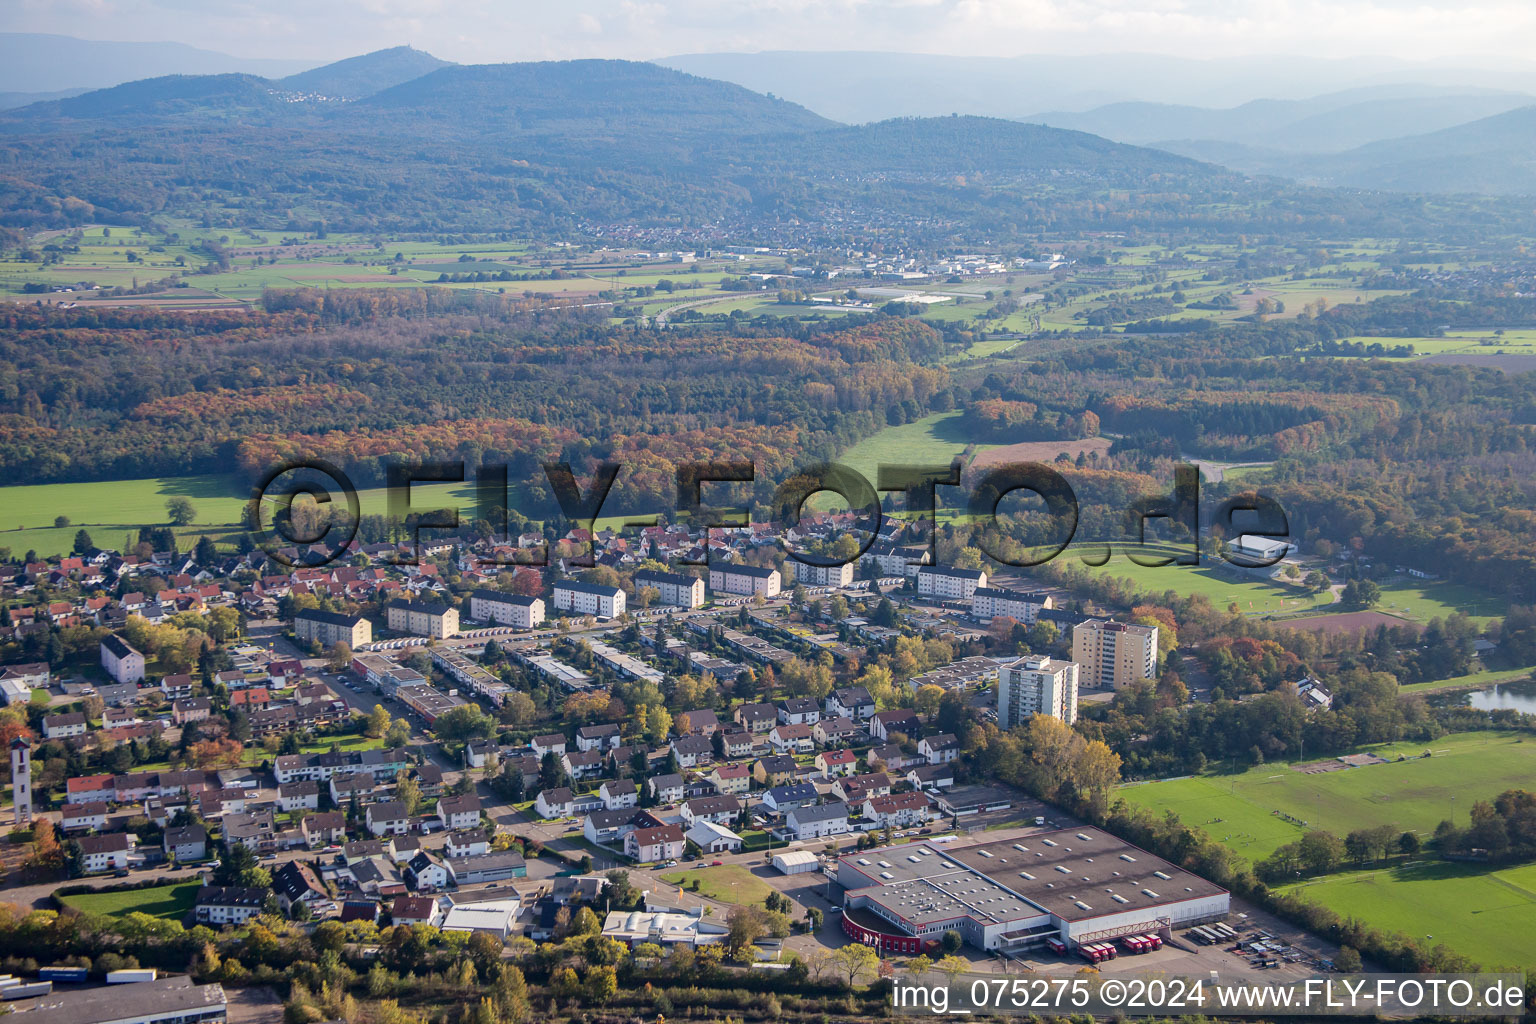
1072,885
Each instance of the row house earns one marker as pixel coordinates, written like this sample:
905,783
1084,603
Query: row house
898,810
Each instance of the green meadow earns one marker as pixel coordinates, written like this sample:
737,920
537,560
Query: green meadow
1238,810
1489,916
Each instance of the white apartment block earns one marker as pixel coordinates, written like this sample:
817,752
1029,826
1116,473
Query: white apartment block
674,588
122,662
746,580
515,610
824,575
1114,654
949,584
987,603
578,598
1036,685
427,618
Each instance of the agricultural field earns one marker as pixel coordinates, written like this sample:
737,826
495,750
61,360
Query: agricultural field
171,902
27,512
932,440
1239,810
729,883
1486,915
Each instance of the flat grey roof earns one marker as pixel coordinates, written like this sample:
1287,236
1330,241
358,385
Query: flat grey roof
165,998
1075,874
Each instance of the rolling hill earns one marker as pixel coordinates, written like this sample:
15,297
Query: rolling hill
357,77
539,146
1495,155
609,96
1323,124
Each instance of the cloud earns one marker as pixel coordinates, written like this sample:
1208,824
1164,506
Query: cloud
493,30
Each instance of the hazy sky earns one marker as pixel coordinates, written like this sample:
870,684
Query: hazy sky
493,30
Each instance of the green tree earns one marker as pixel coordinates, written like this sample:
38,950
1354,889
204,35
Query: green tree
83,543
181,511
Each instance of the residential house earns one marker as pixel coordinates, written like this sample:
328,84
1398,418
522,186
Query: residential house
756,718
731,779
940,749
64,726
691,751
459,812
108,851
791,739
191,709
931,776
186,843
597,737
409,910
80,817
554,803
618,794
303,795
782,799
426,871
666,789
253,829
850,702
220,905
388,818
550,743
898,810
798,711
296,882
719,809
885,724
832,763
650,845
815,821
775,770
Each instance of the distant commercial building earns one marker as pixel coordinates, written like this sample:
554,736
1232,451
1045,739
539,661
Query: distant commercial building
1073,886
423,618
1036,685
329,628
673,588
746,580
158,1001
516,610
1114,654
578,598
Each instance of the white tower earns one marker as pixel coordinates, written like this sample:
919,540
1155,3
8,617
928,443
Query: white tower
21,779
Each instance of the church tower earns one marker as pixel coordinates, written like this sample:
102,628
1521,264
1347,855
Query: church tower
21,779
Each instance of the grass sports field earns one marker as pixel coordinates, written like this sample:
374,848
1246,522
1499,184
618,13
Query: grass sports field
729,883
1416,795
1486,915
168,901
